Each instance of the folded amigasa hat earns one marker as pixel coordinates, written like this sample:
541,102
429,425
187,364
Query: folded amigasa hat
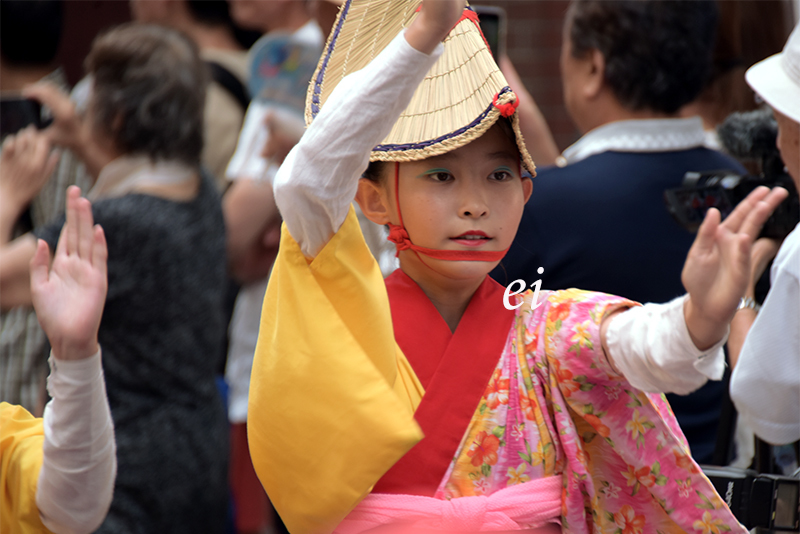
461,97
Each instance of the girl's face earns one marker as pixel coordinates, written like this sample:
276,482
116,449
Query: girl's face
469,199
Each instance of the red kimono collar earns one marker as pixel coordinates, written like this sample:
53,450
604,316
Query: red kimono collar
454,368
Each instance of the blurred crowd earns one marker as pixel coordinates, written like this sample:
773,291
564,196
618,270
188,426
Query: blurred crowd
169,137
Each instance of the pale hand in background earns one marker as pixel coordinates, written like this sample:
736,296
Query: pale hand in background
69,295
280,140
26,164
70,130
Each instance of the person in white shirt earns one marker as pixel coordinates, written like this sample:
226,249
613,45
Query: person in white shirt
57,473
765,386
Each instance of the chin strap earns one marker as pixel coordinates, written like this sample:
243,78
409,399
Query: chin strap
399,236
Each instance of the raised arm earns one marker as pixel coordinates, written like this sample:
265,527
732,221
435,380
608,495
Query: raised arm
76,480
318,180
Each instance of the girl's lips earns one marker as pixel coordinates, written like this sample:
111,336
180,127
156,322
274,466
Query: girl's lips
470,242
473,238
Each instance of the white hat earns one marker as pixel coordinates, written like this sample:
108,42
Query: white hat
777,78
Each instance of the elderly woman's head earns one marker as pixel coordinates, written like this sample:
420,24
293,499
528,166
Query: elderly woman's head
777,81
148,93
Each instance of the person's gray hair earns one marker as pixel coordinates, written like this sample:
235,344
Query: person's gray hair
149,92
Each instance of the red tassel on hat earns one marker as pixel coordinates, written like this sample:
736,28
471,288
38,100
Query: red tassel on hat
506,110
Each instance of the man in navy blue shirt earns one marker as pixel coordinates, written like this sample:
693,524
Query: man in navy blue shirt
599,221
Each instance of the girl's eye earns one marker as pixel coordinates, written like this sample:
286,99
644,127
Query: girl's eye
440,176
501,176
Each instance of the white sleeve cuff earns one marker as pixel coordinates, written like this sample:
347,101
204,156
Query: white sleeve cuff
76,481
651,346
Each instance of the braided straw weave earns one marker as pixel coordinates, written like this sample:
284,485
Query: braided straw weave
451,107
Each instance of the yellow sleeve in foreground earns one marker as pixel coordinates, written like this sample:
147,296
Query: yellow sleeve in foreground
21,440
331,395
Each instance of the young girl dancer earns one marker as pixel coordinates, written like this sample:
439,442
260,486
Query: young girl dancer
534,417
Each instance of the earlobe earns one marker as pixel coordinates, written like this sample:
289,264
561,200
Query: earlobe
527,188
372,200
596,73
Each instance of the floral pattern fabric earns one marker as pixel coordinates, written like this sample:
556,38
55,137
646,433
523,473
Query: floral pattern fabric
554,406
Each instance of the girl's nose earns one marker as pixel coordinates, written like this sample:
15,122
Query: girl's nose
473,204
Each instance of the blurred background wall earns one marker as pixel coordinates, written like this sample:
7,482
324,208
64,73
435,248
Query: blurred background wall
750,30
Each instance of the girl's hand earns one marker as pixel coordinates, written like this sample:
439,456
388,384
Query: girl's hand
25,166
69,297
717,270
434,22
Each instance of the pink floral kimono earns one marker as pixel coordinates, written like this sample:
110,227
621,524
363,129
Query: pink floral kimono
552,406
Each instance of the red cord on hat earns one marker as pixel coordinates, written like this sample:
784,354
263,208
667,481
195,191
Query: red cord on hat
399,236
506,110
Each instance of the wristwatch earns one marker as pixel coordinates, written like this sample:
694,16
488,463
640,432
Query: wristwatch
747,302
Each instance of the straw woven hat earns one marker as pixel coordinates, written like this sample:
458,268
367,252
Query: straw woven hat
461,97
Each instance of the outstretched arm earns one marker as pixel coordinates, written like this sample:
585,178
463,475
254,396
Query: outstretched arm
76,480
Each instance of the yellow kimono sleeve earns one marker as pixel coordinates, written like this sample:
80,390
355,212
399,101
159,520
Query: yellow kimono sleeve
331,395
21,440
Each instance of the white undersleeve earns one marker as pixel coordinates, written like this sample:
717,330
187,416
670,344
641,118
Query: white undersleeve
76,482
650,345
317,181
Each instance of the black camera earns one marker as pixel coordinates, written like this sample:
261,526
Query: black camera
17,112
749,135
724,190
758,500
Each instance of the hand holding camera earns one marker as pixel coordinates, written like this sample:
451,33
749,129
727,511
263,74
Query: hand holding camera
26,164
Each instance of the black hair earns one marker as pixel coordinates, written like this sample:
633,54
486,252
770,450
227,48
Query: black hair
211,12
376,170
218,13
657,53
30,31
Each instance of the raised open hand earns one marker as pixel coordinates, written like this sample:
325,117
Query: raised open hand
717,269
69,296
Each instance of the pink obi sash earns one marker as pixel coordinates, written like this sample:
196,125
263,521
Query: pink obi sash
524,506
